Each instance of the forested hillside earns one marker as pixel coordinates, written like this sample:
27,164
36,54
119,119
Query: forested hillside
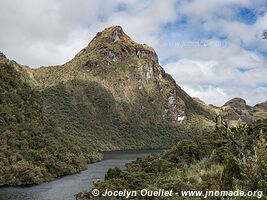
33,148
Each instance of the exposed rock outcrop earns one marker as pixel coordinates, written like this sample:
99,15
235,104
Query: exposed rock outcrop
111,55
174,110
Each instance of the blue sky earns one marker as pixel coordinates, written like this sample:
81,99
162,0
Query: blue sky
213,49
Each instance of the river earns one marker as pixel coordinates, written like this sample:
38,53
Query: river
65,187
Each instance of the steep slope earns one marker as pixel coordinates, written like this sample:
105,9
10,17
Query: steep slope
213,110
115,92
32,148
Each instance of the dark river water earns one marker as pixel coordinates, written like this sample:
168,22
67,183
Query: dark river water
65,187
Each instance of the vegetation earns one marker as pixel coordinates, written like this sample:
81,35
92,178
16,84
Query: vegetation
105,95
89,110
33,148
207,161
112,95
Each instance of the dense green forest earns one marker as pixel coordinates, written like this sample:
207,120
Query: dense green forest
224,159
88,109
32,147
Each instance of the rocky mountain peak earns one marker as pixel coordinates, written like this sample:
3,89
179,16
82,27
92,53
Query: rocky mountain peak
237,103
131,73
114,45
111,34
116,34
237,109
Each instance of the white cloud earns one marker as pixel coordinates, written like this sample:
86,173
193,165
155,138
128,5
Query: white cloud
217,95
217,74
220,17
217,64
50,32
207,93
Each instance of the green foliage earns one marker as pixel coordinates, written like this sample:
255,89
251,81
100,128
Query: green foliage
32,148
113,173
246,169
117,98
230,172
87,109
206,161
253,167
199,147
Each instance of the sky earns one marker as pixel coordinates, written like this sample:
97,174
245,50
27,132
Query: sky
215,50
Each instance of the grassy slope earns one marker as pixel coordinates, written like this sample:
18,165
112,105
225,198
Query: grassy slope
33,148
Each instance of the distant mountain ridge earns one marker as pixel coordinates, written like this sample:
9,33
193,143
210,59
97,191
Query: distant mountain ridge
237,108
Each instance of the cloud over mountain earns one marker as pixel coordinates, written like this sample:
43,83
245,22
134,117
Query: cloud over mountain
215,50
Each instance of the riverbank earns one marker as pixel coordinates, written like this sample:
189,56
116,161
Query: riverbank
65,187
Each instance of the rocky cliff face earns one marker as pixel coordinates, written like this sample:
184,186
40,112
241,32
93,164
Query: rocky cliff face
114,45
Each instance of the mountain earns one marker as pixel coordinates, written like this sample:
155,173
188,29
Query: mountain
115,93
32,148
237,109
261,106
112,95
